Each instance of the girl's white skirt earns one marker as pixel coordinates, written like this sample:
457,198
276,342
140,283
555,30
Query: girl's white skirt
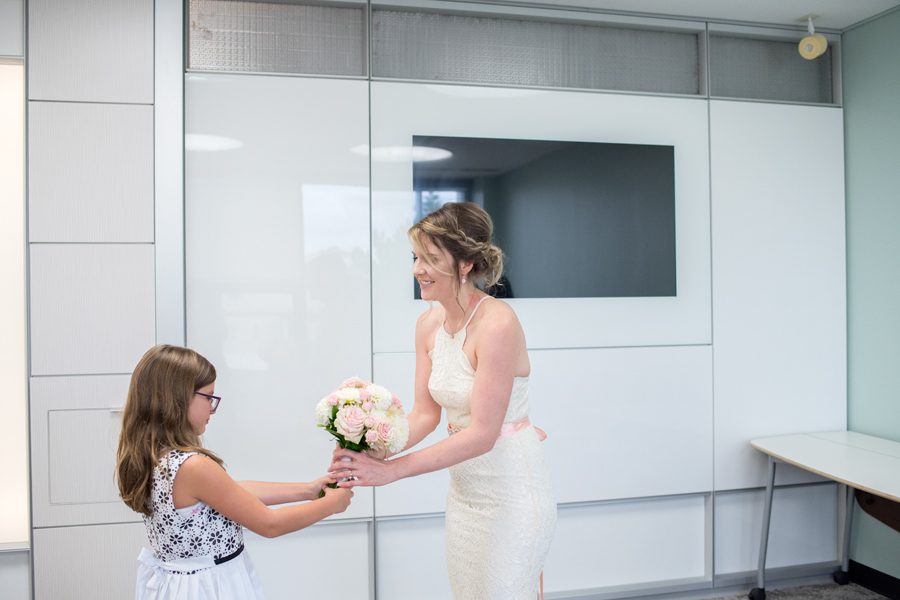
232,580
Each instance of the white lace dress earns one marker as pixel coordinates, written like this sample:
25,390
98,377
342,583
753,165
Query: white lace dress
501,513
197,553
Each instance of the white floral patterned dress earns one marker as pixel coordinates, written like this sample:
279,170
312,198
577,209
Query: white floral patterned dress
501,512
197,554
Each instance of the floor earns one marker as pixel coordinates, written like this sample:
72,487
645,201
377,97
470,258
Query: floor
830,591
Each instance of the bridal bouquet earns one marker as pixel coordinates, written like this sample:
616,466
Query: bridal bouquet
364,416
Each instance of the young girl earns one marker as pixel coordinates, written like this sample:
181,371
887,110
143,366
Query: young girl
193,511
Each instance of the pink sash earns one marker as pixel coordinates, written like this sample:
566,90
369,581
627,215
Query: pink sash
507,429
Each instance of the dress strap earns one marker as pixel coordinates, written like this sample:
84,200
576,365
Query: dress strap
474,310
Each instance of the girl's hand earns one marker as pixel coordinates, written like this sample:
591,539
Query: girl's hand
338,498
354,468
317,485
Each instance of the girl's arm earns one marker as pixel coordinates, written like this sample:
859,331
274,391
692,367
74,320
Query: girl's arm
270,493
501,344
201,479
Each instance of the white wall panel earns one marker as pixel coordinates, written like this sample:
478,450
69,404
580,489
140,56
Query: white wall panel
412,562
803,528
90,172
324,561
92,307
625,422
74,435
779,296
425,493
12,27
98,561
90,50
639,542
401,110
277,262
632,434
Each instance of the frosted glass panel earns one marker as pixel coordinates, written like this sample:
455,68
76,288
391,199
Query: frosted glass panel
277,262
490,49
277,37
767,69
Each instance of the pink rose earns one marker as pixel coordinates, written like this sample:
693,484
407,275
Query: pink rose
370,422
367,406
371,436
355,382
364,394
333,399
349,423
395,401
385,430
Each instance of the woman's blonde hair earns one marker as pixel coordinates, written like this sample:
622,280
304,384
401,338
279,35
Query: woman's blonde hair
465,231
155,418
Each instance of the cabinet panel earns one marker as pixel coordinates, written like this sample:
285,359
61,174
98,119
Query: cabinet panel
633,543
90,172
98,561
92,307
75,53
328,560
74,433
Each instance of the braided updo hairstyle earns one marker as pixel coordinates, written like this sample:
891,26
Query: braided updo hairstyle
465,231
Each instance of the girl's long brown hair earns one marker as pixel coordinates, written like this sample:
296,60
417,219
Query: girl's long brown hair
155,418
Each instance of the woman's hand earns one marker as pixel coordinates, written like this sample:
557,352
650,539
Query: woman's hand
357,468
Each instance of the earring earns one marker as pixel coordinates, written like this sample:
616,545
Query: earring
464,280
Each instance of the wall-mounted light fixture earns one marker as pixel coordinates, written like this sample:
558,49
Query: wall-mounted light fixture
813,45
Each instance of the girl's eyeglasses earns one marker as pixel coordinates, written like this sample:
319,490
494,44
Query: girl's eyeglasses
213,400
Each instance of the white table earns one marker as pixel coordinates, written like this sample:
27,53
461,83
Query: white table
855,460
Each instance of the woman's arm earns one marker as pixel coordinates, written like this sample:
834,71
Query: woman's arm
200,478
426,413
270,493
500,344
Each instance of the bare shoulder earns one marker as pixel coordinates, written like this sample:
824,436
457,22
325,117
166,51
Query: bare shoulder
499,317
429,321
200,466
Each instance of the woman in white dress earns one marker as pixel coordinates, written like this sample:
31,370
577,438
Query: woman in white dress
471,361
194,512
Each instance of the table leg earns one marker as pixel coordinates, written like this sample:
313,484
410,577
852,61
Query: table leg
759,592
843,575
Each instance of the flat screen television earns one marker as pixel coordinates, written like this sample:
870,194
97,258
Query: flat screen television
574,219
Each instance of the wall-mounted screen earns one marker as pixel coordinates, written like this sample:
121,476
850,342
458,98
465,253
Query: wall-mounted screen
574,219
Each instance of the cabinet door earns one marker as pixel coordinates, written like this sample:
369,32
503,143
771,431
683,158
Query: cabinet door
98,561
74,433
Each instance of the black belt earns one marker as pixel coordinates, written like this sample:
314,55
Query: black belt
227,557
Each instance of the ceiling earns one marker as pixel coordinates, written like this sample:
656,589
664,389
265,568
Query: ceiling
835,15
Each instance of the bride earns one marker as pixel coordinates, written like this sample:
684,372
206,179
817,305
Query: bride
471,361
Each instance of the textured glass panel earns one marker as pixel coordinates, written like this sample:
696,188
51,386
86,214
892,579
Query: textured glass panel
492,50
767,70
272,37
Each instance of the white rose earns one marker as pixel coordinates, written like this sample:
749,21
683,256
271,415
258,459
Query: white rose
399,433
323,411
347,396
380,396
